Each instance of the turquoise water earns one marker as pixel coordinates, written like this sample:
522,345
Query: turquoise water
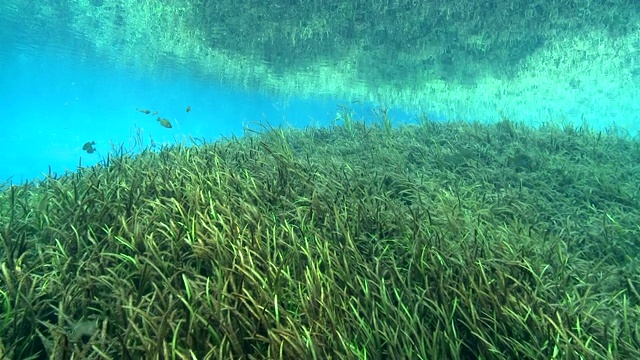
54,99
52,104
75,72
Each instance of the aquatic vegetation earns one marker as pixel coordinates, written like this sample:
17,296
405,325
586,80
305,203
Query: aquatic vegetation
400,52
355,241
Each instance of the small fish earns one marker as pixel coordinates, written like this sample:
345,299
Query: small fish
88,147
155,113
164,122
144,111
188,108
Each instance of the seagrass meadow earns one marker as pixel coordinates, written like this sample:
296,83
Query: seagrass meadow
436,240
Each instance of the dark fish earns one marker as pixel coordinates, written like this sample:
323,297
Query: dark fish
188,108
164,122
88,147
144,111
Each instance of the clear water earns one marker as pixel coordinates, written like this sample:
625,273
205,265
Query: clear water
57,93
75,71
53,104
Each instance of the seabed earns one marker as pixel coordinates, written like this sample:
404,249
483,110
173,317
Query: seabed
438,240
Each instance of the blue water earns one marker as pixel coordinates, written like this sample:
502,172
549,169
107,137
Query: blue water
52,103
56,94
